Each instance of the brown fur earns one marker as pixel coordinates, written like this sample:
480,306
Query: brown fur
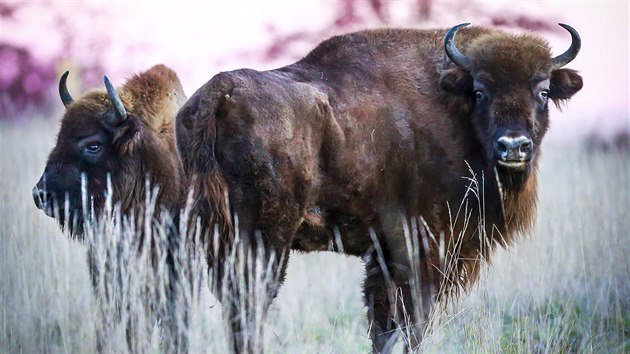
370,129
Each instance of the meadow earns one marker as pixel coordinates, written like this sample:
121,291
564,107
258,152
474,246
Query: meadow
564,288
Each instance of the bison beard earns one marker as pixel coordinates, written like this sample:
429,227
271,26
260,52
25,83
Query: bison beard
385,144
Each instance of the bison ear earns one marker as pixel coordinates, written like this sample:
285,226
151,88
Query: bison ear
564,84
126,135
456,81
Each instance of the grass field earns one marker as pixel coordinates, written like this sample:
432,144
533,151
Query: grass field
565,288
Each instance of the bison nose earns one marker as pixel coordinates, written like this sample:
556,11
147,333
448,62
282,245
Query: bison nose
41,197
509,148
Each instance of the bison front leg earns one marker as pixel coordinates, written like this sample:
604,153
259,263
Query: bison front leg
400,284
415,305
253,281
379,295
395,301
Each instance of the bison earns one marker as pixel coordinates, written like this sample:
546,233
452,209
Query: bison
413,149
124,137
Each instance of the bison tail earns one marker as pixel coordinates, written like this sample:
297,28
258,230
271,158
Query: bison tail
211,204
197,136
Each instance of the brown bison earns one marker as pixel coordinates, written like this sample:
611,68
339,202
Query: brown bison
126,136
410,148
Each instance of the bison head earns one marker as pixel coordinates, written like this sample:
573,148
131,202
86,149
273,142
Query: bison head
508,81
100,139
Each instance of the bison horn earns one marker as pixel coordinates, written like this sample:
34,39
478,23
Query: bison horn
119,108
566,57
66,98
449,46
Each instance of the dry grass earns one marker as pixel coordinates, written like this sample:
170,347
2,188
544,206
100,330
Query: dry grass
564,289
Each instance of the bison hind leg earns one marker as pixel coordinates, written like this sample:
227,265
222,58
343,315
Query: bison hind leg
253,279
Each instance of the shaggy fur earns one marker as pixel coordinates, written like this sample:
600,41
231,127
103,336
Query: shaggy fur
372,136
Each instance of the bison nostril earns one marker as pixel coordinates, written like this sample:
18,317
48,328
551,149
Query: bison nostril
500,146
41,197
36,197
526,144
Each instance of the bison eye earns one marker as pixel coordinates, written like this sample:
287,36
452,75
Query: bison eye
479,96
543,95
93,149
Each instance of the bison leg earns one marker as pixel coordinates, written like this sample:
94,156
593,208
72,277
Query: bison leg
400,284
253,271
379,292
251,285
395,301
266,213
414,315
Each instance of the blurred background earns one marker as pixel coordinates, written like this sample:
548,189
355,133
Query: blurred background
41,39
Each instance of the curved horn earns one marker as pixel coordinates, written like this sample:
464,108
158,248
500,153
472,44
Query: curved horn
566,57
66,98
449,46
119,108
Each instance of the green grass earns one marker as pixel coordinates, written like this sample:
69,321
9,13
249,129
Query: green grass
565,288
